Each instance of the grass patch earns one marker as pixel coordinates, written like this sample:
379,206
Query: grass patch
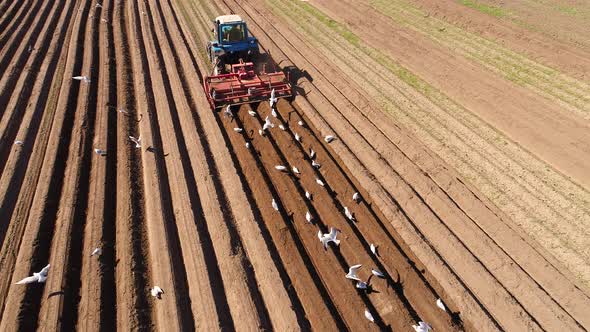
486,9
337,27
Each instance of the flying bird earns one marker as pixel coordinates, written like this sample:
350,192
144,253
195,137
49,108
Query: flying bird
297,137
300,123
320,182
422,327
238,130
252,113
273,113
274,205
329,237
273,100
296,170
441,305
157,292
39,277
84,79
378,273
228,112
96,251
30,49
282,127
356,197
348,214
315,164
329,138
98,5
18,142
308,195
352,272
100,152
120,110
369,316
374,250
281,168
308,217
267,124
137,141
260,132
311,153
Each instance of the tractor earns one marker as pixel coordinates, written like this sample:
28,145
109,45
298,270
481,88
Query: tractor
237,78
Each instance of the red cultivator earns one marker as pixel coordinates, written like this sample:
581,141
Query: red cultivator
243,86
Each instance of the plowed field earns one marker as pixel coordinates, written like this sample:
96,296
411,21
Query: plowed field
469,150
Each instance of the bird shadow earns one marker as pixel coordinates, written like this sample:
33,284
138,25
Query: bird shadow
156,151
57,293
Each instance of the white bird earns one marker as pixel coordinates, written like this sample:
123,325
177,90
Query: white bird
18,142
282,127
260,132
40,277
100,152
98,5
252,113
308,217
361,285
329,237
441,305
228,112
352,272
96,251
273,100
308,195
300,123
320,182
120,110
104,20
247,145
315,164
369,316
281,168
273,113
30,49
374,250
329,138
81,78
311,153
356,197
297,137
157,292
137,141
348,214
274,205
267,124
238,130
378,273
296,170
422,327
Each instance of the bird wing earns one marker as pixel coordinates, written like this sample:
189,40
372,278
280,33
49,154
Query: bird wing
333,232
354,268
45,270
28,280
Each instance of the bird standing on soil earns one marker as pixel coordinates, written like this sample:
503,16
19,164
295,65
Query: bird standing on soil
267,124
282,127
311,153
137,141
84,79
369,316
260,132
247,145
308,195
18,142
422,327
297,137
356,197
296,170
325,239
238,130
39,277
273,100
252,113
273,113
308,217
100,152
348,214
352,272
315,164
275,205
96,251
30,48
121,110
281,168
329,138
98,5
228,112
157,292
320,182
374,250
441,305
300,123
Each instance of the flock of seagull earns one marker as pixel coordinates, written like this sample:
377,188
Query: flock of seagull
324,238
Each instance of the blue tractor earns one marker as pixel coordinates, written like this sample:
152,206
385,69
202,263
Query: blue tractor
232,43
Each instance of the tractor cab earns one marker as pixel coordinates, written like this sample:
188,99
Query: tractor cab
232,42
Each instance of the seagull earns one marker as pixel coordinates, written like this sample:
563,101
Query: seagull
137,141
308,217
374,250
260,132
274,205
157,292
361,285
247,145
320,182
329,138
315,164
441,305
120,110
348,214
267,124
329,237
378,273
311,153
228,112
356,197
422,327
296,170
281,168
30,49
273,113
297,137
300,123
352,272
39,277
282,127
273,100
96,251
98,5
104,20
100,152
84,79
18,142
369,316
308,195
252,113
238,130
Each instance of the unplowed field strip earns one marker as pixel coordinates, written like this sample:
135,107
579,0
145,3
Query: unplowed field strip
189,209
